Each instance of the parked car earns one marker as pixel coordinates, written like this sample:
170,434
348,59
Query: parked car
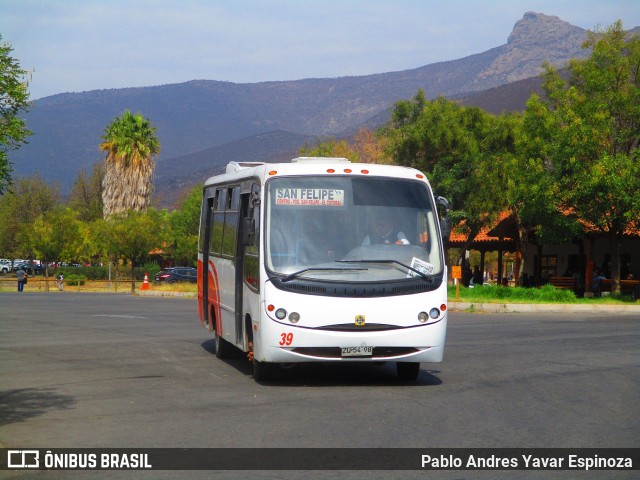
5,266
177,274
37,269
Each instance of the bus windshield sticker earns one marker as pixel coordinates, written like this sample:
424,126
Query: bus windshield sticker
316,197
421,266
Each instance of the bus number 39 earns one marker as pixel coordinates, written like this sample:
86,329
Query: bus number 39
286,338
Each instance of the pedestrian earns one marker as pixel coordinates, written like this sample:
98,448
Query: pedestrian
478,278
60,282
467,274
21,275
595,283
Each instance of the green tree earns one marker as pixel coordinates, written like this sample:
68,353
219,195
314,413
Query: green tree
131,143
461,149
133,235
587,130
14,97
531,199
57,236
30,198
86,194
185,223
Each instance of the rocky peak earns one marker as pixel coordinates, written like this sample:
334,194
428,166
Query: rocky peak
535,39
537,28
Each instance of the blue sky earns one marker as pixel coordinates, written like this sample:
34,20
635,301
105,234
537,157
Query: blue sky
80,45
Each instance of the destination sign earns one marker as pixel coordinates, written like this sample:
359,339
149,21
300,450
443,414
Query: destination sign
319,197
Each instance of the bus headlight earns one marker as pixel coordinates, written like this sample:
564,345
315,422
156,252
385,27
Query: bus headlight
281,313
294,317
423,317
434,313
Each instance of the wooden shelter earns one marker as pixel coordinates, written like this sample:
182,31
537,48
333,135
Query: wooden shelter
502,237
582,256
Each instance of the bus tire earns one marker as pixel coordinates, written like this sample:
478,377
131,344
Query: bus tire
263,370
408,371
223,348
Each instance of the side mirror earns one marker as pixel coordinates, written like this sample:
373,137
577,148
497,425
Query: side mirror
248,231
445,229
443,202
445,223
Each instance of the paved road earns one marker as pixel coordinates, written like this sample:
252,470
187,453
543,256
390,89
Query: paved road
95,370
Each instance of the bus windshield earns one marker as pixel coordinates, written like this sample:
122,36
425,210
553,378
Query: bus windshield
351,229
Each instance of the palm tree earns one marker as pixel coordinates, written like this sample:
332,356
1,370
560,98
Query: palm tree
131,144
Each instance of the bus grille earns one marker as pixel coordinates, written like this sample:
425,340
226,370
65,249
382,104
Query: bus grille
335,352
352,327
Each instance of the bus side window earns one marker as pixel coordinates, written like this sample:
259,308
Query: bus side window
215,246
254,248
233,198
251,266
229,239
206,216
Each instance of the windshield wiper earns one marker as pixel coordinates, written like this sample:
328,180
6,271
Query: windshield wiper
293,275
422,274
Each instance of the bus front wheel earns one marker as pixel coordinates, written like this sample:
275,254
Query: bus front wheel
263,370
408,371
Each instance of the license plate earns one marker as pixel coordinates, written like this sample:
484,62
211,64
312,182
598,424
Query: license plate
361,351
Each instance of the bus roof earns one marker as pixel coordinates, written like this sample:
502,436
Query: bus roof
237,171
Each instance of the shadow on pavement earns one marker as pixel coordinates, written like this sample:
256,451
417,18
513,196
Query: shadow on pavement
331,374
22,404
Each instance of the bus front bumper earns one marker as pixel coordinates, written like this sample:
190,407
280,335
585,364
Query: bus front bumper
417,344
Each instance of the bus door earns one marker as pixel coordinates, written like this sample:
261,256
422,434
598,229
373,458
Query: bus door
246,257
206,222
222,250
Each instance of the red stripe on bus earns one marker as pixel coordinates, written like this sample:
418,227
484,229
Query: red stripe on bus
214,294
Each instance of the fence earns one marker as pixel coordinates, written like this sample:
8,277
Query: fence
36,284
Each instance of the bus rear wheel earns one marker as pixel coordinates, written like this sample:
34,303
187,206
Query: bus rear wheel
223,348
408,371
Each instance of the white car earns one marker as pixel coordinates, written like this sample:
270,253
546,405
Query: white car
5,266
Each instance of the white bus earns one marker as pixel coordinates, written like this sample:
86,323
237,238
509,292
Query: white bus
323,260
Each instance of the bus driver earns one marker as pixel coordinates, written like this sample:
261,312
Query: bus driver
385,233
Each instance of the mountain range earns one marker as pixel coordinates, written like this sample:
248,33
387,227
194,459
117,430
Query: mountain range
204,124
